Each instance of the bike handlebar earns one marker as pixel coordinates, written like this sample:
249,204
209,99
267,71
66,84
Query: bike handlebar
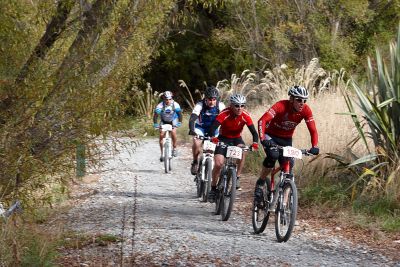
303,150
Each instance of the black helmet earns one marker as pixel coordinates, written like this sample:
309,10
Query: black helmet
298,91
211,92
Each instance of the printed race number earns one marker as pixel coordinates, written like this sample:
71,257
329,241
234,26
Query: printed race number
208,146
292,152
234,152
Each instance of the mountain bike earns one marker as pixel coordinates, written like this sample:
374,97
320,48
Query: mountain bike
206,164
226,187
284,200
167,147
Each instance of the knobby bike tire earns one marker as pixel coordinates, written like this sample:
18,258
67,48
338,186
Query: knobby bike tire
261,214
285,217
219,196
199,182
229,194
170,156
166,157
208,176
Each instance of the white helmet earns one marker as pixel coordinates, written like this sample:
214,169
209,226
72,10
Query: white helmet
238,99
167,95
298,91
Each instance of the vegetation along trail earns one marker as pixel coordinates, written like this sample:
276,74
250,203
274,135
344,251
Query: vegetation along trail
155,219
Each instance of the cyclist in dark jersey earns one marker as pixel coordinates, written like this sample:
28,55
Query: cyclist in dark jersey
276,127
201,119
232,121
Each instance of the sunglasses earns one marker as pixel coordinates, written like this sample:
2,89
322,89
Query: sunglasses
211,99
239,106
300,100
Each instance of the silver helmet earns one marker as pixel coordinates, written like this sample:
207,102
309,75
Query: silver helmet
238,99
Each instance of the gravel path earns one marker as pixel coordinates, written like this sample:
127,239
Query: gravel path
162,223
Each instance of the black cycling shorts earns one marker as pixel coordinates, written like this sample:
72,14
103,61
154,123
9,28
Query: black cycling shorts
221,149
274,154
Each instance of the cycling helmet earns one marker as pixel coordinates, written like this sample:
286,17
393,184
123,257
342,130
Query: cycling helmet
167,95
298,91
238,99
211,92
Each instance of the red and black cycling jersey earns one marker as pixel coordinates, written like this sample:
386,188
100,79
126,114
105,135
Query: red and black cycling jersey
232,125
281,120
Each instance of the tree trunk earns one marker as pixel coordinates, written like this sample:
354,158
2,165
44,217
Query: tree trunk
53,31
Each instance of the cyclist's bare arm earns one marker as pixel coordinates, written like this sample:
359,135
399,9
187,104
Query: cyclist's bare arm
179,113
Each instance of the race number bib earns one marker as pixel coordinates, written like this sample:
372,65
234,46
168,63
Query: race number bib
208,146
292,152
166,127
234,152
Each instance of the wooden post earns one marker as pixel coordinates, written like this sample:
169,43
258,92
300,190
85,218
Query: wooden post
80,160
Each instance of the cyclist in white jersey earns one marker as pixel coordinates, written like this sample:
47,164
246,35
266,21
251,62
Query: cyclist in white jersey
170,113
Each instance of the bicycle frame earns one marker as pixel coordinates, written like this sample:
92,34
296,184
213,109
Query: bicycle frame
284,169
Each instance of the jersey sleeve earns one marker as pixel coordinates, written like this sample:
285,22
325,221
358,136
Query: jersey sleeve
248,119
177,107
222,116
267,117
197,108
158,108
310,122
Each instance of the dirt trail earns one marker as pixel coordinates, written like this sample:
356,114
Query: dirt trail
158,221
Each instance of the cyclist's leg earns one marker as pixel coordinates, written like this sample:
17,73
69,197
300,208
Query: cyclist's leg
174,138
196,147
162,135
218,163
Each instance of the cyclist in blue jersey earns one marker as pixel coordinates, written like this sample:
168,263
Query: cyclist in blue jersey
170,113
201,119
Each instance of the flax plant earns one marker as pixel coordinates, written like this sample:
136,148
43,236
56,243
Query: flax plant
145,101
379,103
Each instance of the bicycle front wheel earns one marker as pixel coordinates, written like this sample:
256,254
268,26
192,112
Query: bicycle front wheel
286,211
208,177
228,194
261,213
167,162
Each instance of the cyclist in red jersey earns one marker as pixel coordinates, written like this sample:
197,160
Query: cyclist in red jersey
276,127
232,121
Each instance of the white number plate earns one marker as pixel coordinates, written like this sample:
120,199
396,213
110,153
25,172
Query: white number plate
234,152
208,145
292,152
166,127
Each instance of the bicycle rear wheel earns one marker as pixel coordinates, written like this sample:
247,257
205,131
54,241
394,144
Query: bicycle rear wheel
286,212
228,194
208,177
261,213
